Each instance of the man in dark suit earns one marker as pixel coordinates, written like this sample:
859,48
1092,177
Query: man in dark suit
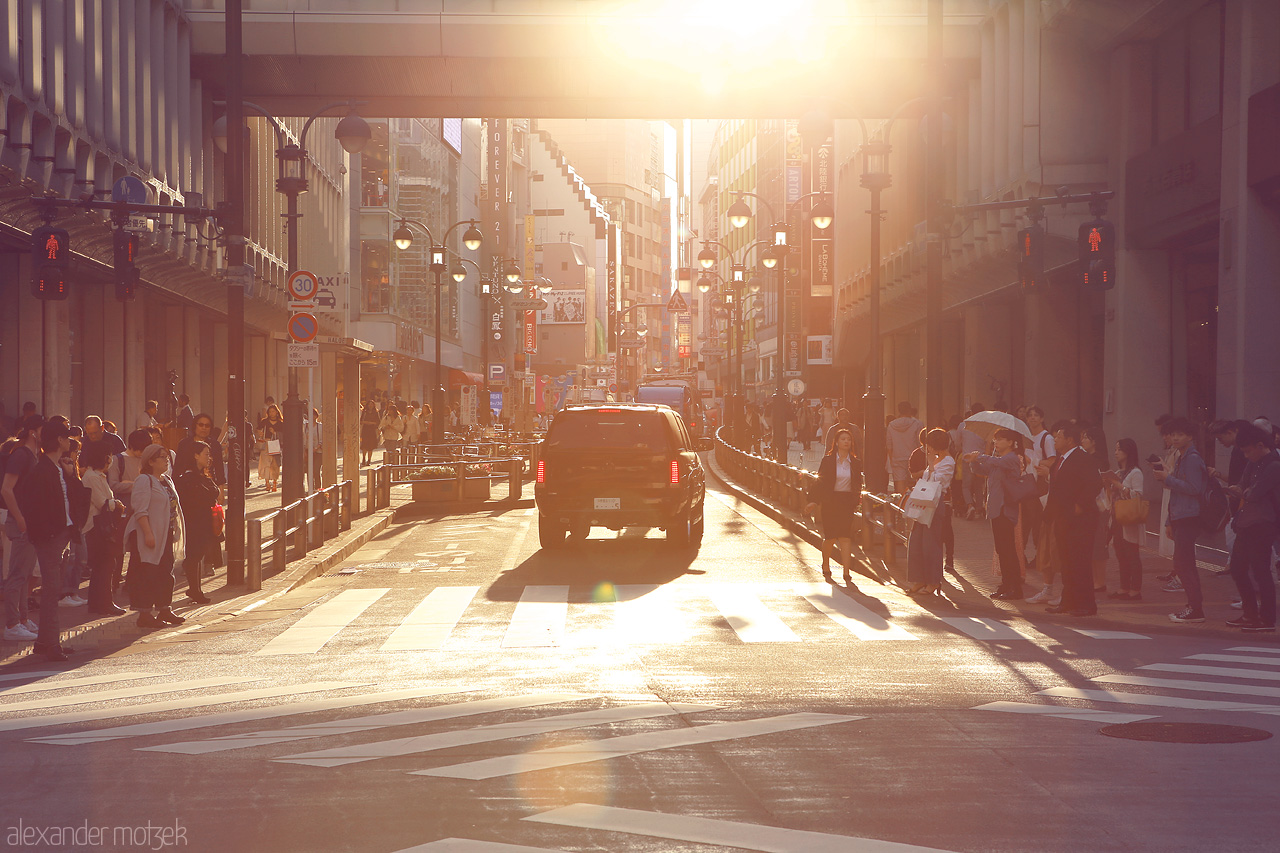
1073,510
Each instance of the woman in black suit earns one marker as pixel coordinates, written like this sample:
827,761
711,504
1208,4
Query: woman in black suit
197,494
839,493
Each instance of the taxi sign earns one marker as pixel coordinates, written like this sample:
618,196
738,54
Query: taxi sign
302,287
303,328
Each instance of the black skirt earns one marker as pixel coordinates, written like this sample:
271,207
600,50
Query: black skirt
838,513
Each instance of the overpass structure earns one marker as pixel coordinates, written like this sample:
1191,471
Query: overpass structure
585,58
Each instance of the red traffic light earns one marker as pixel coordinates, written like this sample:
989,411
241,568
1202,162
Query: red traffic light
1031,258
51,247
1096,249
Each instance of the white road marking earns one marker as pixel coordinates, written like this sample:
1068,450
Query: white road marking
850,615
1224,671
122,693
1064,712
702,830
466,845
1237,659
984,629
227,717
431,622
1196,686
373,722
600,750
517,541
1110,635
1264,650
539,618
23,676
748,616
1158,701
73,682
487,734
310,633
646,614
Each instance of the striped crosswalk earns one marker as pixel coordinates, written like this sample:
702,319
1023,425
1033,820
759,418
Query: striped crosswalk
561,616
1237,667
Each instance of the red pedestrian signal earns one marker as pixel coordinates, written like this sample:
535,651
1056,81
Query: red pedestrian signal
1031,258
1096,246
125,246
50,257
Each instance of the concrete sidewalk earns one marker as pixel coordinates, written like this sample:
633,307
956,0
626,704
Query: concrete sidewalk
979,577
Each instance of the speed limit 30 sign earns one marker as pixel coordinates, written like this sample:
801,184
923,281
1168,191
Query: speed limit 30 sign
302,287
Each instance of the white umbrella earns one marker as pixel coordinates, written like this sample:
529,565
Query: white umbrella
986,423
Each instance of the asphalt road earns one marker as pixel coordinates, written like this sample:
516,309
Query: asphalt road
454,688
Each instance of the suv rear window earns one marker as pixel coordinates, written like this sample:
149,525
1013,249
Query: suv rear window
667,395
613,430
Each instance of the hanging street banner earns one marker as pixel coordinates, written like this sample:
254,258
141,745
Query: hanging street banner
822,257
530,332
684,335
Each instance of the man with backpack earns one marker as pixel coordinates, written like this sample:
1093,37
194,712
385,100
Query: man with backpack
1255,525
1186,485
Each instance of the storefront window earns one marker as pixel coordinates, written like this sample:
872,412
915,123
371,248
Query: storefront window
375,168
375,276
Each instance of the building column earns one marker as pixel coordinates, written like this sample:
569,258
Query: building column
30,342
327,403
255,377
56,374
221,370
351,418
988,354
134,370
193,368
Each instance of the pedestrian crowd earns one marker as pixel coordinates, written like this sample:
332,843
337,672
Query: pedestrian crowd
1059,499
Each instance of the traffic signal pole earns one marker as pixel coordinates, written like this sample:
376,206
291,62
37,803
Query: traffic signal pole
236,282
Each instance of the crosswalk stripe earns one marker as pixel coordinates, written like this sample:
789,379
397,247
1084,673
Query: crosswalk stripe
1261,650
487,734
702,830
373,722
466,845
748,616
122,693
599,750
309,634
646,614
1237,659
431,622
1158,701
1096,634
74,682
1090,714
225,718
850,615
24,676
981,628
1197,686
539,618
1224,671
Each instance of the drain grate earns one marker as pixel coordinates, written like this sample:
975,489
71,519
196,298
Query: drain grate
1184,732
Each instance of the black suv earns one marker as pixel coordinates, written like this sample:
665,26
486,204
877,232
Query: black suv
619,466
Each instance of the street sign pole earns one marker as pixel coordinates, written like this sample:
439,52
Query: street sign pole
234,236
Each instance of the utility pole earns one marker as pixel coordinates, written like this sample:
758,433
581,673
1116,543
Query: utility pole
934,172
236,283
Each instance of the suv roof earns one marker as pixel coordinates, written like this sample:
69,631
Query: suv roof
622,407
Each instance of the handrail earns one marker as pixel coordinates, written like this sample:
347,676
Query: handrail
883,522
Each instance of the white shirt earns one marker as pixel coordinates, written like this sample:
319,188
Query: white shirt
1035,455
844,475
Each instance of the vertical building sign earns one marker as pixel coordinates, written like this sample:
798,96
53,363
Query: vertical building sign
791,287
667,212
822,261
530,256
684,335
492,215
530,332
613,248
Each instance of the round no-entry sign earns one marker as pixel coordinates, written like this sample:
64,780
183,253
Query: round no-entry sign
302,286
303,328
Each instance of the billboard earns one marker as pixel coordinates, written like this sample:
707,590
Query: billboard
565,307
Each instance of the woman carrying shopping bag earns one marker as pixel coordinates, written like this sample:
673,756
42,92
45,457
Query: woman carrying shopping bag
924,547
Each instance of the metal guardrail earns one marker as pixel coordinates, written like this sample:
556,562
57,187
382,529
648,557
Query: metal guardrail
884,527
515,470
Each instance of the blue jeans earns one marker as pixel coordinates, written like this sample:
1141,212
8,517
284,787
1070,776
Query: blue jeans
22,561
1185,531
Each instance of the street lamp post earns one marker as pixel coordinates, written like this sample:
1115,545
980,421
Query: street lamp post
403,239
489,290
876,178
352,134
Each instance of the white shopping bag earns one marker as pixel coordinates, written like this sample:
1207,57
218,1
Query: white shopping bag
923,501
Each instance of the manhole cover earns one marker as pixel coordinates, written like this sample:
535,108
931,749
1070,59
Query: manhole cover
1185,732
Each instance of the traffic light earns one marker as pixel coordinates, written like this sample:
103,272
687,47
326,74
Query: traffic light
125,245
50,256
1031,257
1096,243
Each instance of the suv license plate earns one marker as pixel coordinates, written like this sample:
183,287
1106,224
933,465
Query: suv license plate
608,503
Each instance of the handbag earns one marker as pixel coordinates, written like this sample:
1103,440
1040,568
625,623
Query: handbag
110,524
219,520
273,446
1131,511
923,501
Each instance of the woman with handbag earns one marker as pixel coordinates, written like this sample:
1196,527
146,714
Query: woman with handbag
270,430
156,527
1093,441
924,546
1008,485
1129,513
102,530
839,493
198,497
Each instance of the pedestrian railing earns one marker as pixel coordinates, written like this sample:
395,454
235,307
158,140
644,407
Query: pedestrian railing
884,527
488,451
512,468
292,531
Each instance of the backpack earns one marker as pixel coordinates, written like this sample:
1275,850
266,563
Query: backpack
1215,508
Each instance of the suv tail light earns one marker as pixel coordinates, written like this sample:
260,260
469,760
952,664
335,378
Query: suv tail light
675,472
542,471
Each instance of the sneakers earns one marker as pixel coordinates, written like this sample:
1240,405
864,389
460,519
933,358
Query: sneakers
1166,578
19,633
72,601
31,626
1186,614
1258,628
1174,585
1042,597
1237,605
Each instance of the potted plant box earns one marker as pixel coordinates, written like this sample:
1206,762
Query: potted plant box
437,483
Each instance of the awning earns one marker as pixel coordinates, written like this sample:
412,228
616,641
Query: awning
458,378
